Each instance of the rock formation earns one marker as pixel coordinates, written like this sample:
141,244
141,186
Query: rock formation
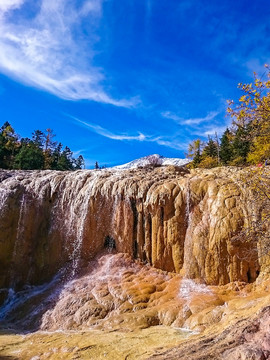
173,220
129,250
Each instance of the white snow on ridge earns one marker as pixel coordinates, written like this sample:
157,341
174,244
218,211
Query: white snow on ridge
152,159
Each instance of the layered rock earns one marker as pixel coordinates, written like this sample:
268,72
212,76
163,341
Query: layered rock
174,220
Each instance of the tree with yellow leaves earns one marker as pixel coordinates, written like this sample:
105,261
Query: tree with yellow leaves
256,230
252,112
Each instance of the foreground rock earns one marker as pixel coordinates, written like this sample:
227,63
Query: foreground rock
115,295
247,339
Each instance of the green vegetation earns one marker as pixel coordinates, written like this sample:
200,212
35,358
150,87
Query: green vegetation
39,152
247,142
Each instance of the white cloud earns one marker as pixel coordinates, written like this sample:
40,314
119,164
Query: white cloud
173,144
191,121
6,5
170,115
43,51
91,6
219,130
108,134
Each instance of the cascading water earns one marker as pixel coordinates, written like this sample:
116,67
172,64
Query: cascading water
70,212
34,300
77,222
189,288
20,226
188,202
3,198
19,239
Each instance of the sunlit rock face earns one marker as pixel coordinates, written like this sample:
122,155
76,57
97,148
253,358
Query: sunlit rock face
174,220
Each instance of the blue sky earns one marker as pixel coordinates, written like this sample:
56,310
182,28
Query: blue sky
117,80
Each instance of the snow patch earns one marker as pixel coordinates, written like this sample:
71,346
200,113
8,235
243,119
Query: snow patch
148,160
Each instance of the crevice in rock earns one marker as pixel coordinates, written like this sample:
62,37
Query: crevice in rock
249,277
135,223
109,243
162,215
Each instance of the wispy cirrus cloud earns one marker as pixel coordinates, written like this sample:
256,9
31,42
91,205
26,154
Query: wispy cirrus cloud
48,52
106,133
173,144
160,140
190,121
216,128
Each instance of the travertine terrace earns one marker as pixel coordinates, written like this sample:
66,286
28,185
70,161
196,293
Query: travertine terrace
115,250
173,220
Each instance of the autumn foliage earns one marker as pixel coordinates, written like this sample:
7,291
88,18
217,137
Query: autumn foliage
247,141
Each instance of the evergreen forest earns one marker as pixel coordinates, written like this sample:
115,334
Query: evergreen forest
41,152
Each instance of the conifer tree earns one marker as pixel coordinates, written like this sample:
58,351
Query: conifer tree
38,138
65,161
241,142
9,146
79,163
226,149
210,149
40,152
56,156
30,157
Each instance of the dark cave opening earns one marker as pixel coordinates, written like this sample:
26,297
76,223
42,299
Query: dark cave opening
109,243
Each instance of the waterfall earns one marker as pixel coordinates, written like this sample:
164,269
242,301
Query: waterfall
189,288
3,199
188,203
79,221
19,239
70,212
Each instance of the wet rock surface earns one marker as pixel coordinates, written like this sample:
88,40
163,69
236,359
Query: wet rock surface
149,313
112,293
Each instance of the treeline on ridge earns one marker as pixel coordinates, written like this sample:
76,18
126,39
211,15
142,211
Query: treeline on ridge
39,152
247,141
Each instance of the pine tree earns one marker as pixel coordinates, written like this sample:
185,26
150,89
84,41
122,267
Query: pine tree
38,138
4,153
65,160
226,149
55,156
9,145
209,157
197,158
241,142
30,157
210,149
40,152
79,163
